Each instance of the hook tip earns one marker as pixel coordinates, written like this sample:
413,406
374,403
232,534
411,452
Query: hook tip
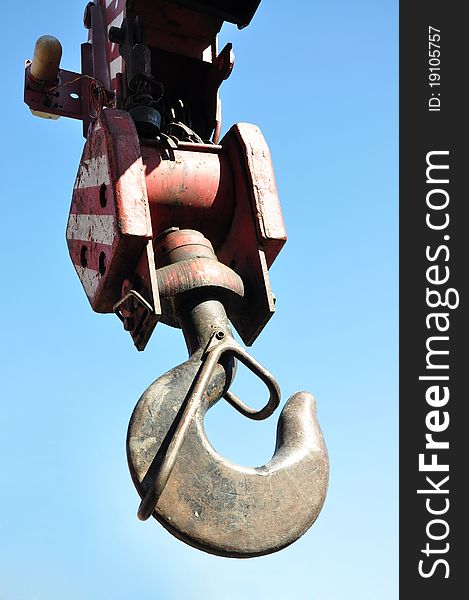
144,510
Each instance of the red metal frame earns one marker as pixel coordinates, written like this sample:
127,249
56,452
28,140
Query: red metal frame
62,99
127,193
130,190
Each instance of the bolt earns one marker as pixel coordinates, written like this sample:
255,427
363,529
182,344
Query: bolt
219,335
115,35
87,15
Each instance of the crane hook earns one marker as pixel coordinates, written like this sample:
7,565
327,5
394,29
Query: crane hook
201,497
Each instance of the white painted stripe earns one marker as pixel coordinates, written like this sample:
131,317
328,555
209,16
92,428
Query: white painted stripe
117,22
207,54
93,172
91,228
115,67
89,279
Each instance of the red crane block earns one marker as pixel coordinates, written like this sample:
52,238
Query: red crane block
128,192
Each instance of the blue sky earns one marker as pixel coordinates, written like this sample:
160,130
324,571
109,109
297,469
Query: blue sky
320,79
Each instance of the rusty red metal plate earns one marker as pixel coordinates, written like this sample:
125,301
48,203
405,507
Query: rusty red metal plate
109,222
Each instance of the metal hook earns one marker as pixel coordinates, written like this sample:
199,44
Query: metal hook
218,346
198,495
